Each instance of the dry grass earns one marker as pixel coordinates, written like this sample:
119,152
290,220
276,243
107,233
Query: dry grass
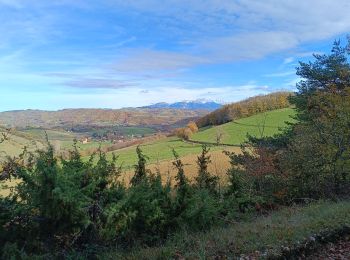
7,186
219,166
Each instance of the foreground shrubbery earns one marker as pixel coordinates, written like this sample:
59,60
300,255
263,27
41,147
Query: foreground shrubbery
62,206
288,233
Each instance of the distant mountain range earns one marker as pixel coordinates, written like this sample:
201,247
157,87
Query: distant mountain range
188,105
69,118
160,114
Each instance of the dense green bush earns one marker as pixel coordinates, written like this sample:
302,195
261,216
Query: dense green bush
67,204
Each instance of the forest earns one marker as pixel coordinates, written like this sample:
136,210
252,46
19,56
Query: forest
76,208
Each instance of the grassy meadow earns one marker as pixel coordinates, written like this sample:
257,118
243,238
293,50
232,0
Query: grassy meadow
158,151
233,133
14,146
264,124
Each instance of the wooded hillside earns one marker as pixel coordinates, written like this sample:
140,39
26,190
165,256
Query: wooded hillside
245,108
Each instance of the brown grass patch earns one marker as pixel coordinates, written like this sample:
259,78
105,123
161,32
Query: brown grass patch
219,165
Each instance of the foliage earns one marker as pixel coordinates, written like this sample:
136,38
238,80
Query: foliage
140,168
183,190
310,159
193,127
184,133
204,179
70,203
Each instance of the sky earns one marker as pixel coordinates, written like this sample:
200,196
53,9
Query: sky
112,54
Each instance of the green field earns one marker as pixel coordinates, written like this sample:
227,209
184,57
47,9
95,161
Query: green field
157,151
234,133
265,124
39,134
122,130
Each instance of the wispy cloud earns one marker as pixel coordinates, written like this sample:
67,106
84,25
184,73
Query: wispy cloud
288,60
156,60
280,74
95,83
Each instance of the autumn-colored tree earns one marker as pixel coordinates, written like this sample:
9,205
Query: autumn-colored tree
184,133
193,126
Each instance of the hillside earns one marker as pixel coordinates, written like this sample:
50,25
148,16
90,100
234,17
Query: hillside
16,143
246,108
263,124
69,118
233,133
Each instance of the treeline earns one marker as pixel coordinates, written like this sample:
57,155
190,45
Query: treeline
246,108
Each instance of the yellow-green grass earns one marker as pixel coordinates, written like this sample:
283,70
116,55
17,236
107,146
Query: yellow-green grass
35,139
264,124
15,145
39,134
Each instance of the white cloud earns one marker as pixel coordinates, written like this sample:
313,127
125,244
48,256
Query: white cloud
154,60
253,45
280,74
235,30
288,60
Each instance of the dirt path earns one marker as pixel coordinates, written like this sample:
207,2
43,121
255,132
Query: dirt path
338,250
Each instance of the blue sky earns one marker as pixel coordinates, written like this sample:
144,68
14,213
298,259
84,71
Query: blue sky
111,54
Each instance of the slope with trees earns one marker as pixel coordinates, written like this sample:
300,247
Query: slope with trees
246,108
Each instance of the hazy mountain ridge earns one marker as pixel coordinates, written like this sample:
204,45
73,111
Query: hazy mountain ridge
188,105
102,117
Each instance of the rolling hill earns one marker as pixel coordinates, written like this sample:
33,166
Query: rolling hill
245,108
234,133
